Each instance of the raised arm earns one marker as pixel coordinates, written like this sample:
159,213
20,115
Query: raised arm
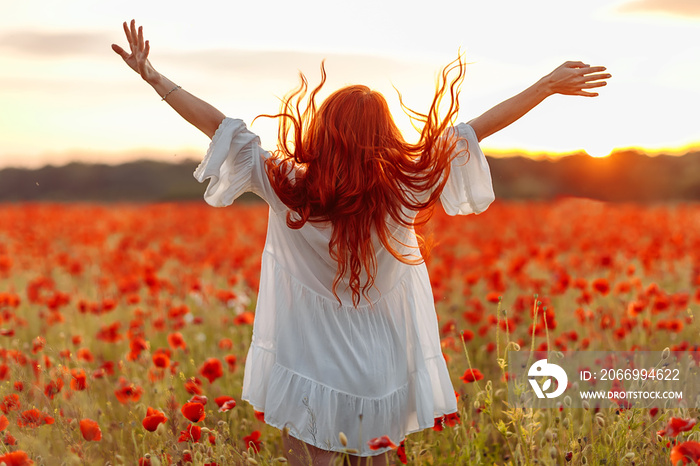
199,113
570,78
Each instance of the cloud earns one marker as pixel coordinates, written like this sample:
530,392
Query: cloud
55,44
258,74
674,7
60,158
271,63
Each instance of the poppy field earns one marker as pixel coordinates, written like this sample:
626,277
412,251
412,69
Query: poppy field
124,330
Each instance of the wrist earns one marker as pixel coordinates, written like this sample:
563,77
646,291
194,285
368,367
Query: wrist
545,86
154,80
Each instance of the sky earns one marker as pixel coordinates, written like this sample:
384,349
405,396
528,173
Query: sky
65,95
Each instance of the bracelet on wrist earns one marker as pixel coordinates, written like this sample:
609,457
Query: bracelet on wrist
171,90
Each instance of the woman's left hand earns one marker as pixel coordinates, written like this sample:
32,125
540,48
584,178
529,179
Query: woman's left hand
574,77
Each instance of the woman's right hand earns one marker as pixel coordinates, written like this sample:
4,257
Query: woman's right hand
576,78
138,58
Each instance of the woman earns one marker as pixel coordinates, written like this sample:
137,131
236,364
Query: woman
345,338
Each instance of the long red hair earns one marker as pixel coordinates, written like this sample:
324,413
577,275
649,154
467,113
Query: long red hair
353,168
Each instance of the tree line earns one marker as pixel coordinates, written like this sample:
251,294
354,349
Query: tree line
625,176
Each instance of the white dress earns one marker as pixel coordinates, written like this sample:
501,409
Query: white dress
321,367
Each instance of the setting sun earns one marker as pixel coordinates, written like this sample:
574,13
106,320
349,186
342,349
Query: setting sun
598,150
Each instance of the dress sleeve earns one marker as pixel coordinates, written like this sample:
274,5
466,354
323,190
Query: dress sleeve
469,189
234,164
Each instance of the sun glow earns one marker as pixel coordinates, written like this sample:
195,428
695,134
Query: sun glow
598,149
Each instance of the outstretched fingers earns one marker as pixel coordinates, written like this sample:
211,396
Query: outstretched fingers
592,77
575,64
140,38
127,32
595,84
120,51
133,34
596,77
593,69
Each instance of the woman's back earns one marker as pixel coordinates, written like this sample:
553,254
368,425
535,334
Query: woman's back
348,164
319,363
304,253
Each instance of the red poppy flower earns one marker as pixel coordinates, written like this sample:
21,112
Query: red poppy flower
220,400
106,369
260,416
110,333
252,440
176,340
38,344
231,361
4,371
212,369
153,419
225,343
225,295
16,458
601,285
452,419
90,430
33,418
136,345
192,386
191,434
244,318
687,452
3,422
10,403
198,399
161,360
472,375
677,425
381,442
78,379
438,424
85,354
9,439
53,387
401,452
128,392
193,411
230,404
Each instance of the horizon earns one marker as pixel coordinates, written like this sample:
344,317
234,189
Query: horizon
135,156
68,96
